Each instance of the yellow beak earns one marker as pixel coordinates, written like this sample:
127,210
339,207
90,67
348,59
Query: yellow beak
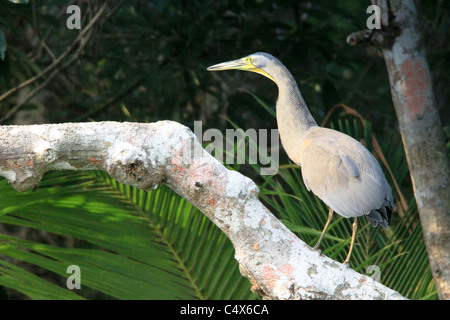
239,64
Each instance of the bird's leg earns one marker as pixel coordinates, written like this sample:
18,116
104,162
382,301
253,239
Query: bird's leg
352,242
330,216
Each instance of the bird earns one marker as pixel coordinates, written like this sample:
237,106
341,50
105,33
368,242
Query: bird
335,167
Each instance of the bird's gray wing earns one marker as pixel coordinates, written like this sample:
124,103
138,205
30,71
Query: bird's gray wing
343,173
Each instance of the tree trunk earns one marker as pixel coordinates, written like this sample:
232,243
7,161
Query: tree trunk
421,132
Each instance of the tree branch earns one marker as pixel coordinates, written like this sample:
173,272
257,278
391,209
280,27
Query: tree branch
278,264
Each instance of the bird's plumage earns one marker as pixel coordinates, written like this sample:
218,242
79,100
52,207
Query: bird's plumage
345,175
335,167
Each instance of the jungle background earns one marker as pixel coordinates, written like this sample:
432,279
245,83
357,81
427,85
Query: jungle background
146,61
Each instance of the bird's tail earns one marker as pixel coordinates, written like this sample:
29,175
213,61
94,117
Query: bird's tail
381,216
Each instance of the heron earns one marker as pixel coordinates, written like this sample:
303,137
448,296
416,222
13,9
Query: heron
335,167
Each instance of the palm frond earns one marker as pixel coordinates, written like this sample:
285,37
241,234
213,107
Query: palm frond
130,244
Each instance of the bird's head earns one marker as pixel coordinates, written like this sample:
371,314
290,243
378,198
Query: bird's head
257,62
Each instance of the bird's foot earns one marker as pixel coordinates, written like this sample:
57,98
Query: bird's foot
317,248
346,263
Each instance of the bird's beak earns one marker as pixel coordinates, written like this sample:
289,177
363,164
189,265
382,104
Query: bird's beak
239,64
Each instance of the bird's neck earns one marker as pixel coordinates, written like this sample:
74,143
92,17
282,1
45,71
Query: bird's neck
293,117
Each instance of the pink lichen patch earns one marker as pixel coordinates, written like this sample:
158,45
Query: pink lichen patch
177,155
176,161
179,170
287,269
416,86
94,160
212,202
270,276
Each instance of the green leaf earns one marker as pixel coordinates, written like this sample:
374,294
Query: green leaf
18,279
19,1
2,45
